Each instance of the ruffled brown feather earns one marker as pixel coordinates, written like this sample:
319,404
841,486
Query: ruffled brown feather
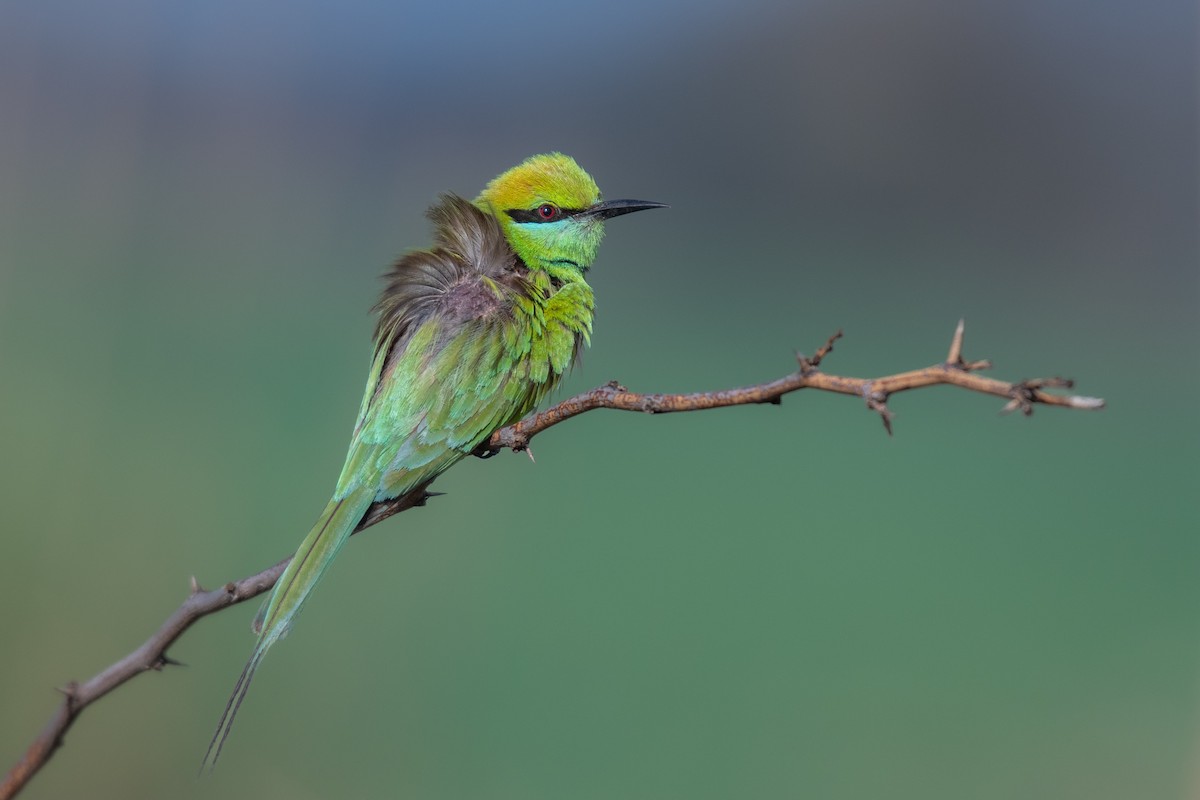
469,245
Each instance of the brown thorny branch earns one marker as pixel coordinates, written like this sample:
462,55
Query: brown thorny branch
152,655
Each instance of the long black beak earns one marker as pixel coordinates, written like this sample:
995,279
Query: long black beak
615,208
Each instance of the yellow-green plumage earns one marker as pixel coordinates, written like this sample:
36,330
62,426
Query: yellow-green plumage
472,334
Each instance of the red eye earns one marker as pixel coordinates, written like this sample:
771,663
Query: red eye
547,212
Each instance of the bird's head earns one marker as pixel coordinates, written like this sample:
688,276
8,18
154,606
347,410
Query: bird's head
551,212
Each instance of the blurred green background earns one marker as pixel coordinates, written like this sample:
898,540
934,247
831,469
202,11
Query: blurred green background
195,202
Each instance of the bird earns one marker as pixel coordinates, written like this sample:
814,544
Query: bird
471,335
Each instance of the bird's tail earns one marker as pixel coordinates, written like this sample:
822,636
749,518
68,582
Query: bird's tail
316,553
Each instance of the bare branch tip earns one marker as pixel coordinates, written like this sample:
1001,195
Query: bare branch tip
1087,403
808,365
827,348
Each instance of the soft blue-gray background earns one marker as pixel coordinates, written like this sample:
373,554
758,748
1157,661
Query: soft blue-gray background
195,201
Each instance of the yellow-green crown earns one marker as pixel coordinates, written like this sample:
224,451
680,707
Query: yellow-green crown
548,178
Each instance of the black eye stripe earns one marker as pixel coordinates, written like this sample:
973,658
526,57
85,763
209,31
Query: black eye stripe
531,215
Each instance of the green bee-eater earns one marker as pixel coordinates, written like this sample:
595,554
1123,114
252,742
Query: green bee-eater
472,334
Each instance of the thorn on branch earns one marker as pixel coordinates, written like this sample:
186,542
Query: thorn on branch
165,660
955,360
877,402
954,357
426,497
195,586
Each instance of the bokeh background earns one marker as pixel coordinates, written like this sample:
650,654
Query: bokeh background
195,202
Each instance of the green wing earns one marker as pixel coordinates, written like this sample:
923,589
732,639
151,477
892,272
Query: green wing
451,365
